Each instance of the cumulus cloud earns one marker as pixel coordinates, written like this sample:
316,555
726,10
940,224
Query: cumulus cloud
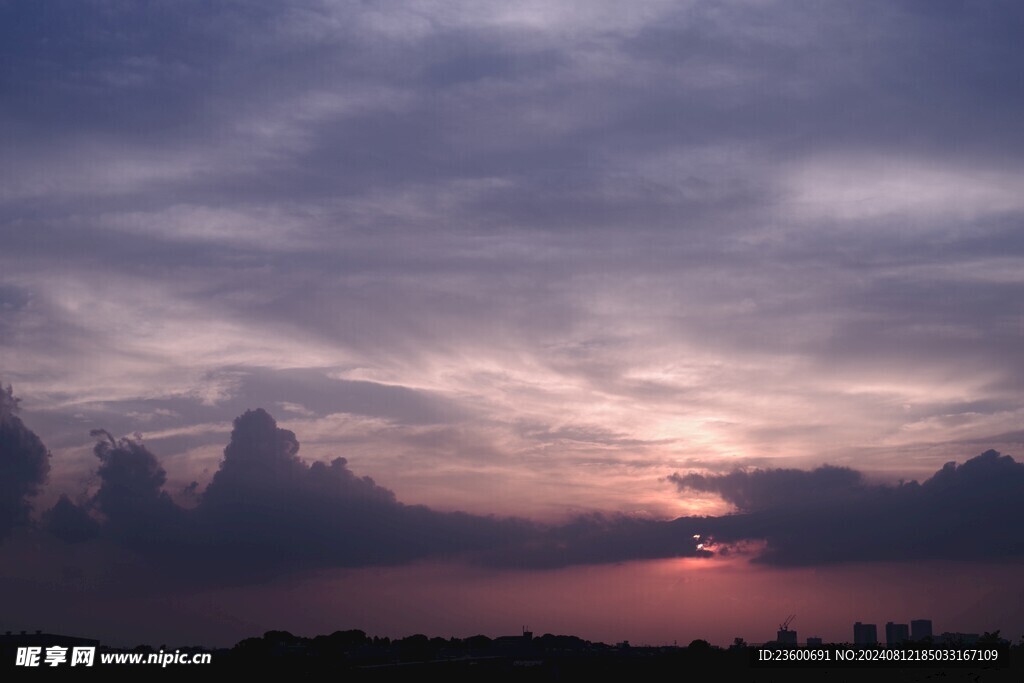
962,512
267,512
70,522
24,465
271,508
131,497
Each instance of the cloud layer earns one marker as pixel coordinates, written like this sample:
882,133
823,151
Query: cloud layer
267,512
518,245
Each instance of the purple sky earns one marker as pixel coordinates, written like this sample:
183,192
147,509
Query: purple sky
552,273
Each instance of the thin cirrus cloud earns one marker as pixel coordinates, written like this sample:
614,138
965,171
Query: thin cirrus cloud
924,196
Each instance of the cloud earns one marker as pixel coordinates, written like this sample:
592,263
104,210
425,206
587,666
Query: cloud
681,230
600,539
266,505
922,195
753,490
69,522
828,515
131,497
267,512
24,465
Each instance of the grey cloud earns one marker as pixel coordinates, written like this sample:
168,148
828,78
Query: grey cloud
756,490
136,509
13,298
322,394
315,389
14,301
24,465
830,515
1015,437
264,497
69,522
266,512
414,144
600,539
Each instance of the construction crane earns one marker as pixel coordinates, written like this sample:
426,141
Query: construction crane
785,636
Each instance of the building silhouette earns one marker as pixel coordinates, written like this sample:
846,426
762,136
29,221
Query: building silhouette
920,629
39,638
785,637
896,633
865,634
813,641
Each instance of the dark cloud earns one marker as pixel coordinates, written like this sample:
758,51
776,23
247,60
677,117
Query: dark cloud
24,465
69,522
600,539
131,497
754,490
265,497
268,505
267,512
827,515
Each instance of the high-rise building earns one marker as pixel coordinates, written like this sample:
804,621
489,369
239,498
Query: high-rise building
785,637
896,633
813,641
921,629
865,634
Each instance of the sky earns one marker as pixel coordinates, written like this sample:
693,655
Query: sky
649,321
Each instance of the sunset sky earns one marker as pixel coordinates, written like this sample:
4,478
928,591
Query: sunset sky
564,283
